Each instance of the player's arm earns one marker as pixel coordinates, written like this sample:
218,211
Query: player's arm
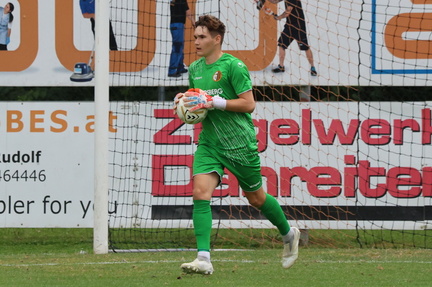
244,104
199,99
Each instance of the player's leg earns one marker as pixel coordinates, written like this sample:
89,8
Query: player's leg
207,176
290,235
270,207
204,185
272,210
250,180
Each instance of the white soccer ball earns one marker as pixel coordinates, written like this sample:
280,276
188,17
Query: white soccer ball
190,117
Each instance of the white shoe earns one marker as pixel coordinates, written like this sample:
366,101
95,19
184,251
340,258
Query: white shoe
290,252
198,266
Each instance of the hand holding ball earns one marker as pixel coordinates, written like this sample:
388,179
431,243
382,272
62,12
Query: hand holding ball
192,107
187,116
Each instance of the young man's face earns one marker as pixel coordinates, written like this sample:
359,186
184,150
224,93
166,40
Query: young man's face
205,44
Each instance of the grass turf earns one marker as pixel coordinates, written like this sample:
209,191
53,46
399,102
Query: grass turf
63,257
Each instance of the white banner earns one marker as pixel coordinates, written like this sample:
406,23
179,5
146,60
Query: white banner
352,42
333,155
46,164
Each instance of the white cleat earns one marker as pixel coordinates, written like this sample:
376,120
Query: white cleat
198,267
290,252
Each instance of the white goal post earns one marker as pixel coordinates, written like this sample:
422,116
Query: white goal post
100,228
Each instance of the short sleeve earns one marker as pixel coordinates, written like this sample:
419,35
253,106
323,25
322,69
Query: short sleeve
240,77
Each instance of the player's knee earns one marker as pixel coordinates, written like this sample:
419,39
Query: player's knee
202,193
255,202
198,194
256,199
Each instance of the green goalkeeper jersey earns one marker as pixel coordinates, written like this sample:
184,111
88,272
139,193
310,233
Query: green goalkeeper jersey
231,133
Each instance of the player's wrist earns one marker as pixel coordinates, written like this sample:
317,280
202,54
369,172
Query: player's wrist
219,103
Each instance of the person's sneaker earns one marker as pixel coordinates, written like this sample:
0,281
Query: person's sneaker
279,69
198,266
313,71
290,252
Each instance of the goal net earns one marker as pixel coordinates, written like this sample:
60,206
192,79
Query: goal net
347,150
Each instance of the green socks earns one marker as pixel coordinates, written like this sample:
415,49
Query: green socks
202,220
274,213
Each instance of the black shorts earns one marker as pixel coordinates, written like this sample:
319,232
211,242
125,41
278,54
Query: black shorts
291,33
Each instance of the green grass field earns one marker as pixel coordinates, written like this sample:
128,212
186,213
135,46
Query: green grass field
64,257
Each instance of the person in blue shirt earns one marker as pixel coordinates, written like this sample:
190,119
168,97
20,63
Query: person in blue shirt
88,12
6,19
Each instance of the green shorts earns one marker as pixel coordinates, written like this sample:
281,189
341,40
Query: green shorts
247,171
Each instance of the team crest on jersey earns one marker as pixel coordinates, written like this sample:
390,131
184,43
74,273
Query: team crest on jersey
217,76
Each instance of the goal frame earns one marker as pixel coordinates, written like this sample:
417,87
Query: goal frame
101,92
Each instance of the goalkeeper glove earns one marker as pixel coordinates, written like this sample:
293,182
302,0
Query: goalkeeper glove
199,99
176,100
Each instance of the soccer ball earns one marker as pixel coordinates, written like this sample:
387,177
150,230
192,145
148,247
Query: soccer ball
190,117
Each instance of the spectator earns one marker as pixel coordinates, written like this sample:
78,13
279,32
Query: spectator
294,29
88,12
179,10
6,19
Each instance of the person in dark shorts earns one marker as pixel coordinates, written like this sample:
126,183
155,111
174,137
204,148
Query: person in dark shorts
294,29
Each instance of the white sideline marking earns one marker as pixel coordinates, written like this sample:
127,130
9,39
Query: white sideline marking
217,260
169,250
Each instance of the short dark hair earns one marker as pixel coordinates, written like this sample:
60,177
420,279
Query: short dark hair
213,24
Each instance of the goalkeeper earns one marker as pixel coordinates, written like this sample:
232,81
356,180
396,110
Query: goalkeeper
221,83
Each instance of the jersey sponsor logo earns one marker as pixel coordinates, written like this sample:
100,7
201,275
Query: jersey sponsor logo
213,92
197,78
217,76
